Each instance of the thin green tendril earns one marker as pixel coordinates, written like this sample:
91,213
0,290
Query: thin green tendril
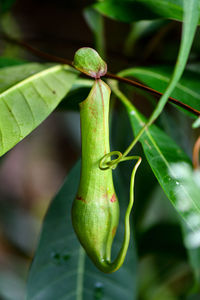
107,163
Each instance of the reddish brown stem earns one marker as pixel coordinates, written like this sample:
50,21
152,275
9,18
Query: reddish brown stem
108,75
37,52
152,91
196,152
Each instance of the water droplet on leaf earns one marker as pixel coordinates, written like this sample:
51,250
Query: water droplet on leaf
65,257
98,290
56,257
59,258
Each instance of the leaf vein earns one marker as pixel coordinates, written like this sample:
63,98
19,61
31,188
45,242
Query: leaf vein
13,116
28,105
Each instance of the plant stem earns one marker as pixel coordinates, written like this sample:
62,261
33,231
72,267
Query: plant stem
57,59
152,91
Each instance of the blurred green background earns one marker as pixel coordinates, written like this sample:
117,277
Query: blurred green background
32,172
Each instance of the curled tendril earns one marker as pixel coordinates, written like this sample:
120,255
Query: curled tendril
105,164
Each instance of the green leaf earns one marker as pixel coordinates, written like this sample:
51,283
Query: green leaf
187,90
135,10
25,105
161,152
125,10
61,270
